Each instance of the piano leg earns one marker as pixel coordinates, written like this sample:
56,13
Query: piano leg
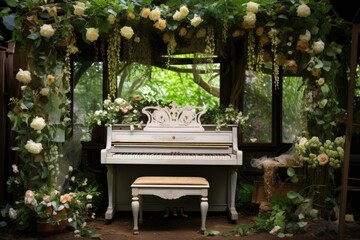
204,206
135,206
232,192
111,190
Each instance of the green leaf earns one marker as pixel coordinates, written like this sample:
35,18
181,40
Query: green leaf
292,194
302,224
290,172
325,89
33,36
314,213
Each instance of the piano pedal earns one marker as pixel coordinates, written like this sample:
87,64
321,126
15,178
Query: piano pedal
182,213
167,212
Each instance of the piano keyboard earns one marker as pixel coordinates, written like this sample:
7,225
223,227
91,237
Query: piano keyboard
177,156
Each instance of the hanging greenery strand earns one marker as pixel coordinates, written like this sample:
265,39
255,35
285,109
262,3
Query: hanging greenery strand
113,57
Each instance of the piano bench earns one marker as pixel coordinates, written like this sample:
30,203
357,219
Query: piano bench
168,187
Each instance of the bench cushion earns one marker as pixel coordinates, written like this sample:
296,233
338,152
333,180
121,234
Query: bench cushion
170,180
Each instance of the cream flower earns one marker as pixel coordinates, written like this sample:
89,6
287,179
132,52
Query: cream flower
47,30
145,12
79,8
184,10
303,10
38,124
131,16
155,14
318,46
23,76
44,91
50,79
320,81
305,37
111,19
33,147
323,159
92,34
181,13
127,32
73,49
250,18
120,101
196,20
52,11
160,24
252,7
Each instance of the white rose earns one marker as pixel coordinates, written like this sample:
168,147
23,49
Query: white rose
177,16
47,30
184,11
155,14
160,24
120,101
23,76
303,10
318,46
111,19
250,18
252,7
12,213
305,37
127,32
145,12
196,20
33,147
89,197
38,123
15,168
79,8
92,34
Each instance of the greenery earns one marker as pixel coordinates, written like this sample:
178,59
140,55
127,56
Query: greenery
302,37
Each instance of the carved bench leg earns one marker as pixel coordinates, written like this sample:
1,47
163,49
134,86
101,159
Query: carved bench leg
135,211
204,205
141,210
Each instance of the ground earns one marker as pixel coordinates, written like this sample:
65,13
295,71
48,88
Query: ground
176,227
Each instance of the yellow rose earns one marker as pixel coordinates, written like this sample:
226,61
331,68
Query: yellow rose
126,32
47,30
252,7
160,24
145,12
155,14
111,19
92,34
196,20
79,8
303,10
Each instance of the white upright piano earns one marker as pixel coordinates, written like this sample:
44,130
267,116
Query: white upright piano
173,142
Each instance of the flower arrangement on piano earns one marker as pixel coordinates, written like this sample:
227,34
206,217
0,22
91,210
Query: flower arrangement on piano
114,111
222,117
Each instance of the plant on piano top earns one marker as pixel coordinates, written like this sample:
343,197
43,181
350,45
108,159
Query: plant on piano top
114,111
222,117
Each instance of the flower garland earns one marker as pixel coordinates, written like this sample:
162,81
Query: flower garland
113,57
